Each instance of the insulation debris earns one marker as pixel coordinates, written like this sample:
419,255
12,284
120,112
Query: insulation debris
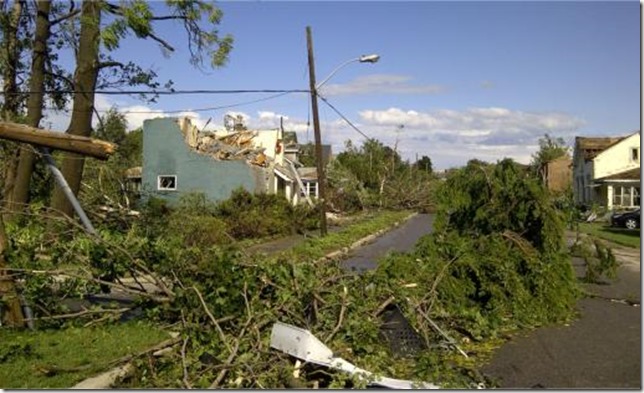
232,146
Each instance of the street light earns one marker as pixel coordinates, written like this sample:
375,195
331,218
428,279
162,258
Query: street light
316,121
373,58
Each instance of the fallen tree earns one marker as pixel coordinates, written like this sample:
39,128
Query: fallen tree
56,140
496,262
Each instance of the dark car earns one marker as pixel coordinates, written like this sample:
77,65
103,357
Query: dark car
630,220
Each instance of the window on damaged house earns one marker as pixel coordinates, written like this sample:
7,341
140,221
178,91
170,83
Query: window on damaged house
167,183
311,188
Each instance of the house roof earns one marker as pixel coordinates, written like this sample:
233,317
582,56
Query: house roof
631,174
308,173
590,147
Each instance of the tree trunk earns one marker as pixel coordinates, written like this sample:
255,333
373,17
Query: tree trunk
87,68
20,195
11,100
10,308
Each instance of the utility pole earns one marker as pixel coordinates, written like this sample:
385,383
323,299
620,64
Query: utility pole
318,137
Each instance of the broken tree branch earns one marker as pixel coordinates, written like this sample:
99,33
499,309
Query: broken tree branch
57,140
81,313
343,309
222,336
233,353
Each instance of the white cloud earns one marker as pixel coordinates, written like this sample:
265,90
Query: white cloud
449,137
487,126
380,83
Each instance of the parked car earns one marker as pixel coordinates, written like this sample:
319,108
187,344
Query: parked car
630,220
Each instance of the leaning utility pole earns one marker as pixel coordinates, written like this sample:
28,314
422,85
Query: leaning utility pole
318,137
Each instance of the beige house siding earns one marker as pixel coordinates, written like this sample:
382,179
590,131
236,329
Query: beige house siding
606,171
619,158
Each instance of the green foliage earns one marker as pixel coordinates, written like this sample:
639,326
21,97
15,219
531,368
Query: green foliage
549,149
374,175
424,164
496,259
599,258
260,215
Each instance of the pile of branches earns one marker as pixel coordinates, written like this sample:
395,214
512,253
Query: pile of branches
495,262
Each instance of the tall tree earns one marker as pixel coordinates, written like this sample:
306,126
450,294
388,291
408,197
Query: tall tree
10,23
424,164
20,193
87,68
130,17
549,149
10,308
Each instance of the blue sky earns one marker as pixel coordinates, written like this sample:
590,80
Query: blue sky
466,79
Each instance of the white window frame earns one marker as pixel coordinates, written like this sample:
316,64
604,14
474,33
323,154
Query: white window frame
161,188
627,196
311,188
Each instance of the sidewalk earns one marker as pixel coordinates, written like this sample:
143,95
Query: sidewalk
602,349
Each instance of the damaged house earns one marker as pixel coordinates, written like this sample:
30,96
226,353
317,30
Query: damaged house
606,171
178,158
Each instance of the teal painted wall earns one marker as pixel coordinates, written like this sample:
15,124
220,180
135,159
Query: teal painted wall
166,153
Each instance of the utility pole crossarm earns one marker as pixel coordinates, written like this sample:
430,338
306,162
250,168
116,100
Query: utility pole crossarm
57,140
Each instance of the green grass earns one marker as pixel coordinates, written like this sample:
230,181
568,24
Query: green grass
621,236
62,358
320,246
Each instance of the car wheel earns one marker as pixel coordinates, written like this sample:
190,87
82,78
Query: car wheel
631,223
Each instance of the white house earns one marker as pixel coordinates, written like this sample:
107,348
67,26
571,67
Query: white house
607,171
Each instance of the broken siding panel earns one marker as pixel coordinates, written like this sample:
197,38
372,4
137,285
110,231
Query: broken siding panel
165,152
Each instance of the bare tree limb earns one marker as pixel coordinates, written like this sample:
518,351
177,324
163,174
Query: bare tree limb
222,336
343,309
81,313
161,41
65,17
233,353
106,64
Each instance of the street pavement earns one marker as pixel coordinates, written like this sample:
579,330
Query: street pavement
402,239
600,349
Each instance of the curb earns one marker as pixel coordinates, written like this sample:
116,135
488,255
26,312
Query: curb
365,240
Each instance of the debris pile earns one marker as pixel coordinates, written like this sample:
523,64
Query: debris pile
233,146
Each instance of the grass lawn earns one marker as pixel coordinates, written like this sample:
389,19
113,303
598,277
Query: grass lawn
621,236
62,358
318,247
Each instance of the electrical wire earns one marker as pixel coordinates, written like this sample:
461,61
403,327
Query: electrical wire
343,117
157,92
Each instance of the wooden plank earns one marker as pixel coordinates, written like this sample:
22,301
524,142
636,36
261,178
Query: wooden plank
57,140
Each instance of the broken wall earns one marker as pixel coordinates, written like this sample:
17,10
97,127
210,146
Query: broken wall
166,152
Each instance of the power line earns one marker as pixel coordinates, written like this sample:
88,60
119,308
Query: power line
213,108
343,117
158,92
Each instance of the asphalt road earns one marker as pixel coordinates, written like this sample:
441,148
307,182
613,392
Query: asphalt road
400,239
601,349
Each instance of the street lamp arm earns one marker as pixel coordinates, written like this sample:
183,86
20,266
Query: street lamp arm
338,68
361,59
